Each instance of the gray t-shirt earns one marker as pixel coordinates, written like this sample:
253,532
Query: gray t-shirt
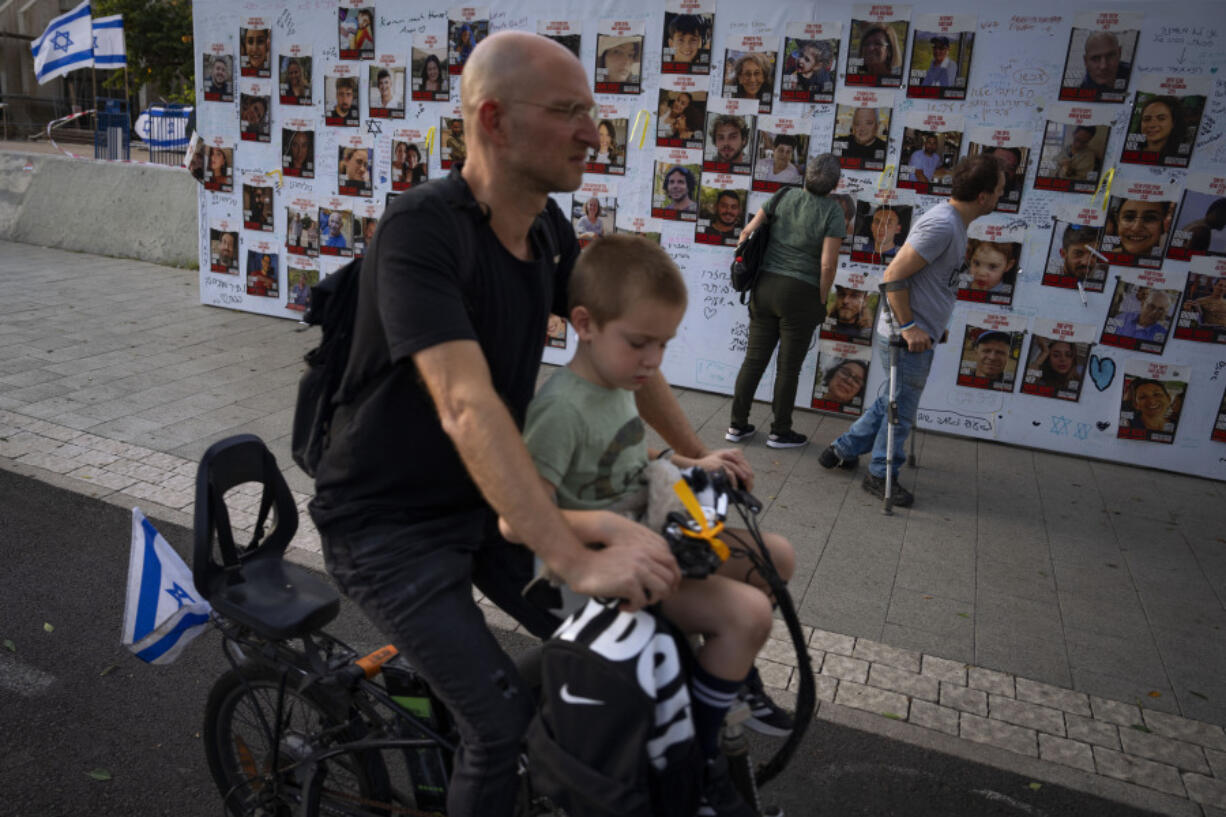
939,236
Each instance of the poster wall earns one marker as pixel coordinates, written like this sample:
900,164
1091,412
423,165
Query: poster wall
1102,268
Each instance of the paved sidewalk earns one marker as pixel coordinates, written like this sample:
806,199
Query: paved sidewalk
1055,615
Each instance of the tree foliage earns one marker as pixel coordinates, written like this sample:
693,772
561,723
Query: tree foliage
158,36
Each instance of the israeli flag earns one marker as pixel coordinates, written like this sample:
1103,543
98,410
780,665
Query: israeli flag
163,612
109,51
66,45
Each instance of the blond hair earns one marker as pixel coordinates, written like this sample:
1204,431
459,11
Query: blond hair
615,272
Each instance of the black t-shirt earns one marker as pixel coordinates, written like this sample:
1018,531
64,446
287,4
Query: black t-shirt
388,457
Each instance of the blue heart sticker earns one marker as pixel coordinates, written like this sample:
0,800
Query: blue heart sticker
1102,371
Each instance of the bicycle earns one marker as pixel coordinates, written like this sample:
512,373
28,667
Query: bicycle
323,729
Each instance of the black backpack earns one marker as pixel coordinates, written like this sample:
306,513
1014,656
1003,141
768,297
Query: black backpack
751,252
334,307
613,735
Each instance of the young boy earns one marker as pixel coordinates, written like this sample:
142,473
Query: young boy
589,444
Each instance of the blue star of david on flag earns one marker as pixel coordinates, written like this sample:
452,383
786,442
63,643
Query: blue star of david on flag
62,41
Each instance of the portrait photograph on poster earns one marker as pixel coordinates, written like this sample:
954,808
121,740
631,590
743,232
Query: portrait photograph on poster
592,216
353,166
218,73
1138,225
990,272
301,231
876,47
255,49
298,149
810,62
1166,116
263,280
301,279
721,210
219,169
1141,313
1010,147
254,115
931,144
453,148
431,81
355,30
619,57
782,154
1219,424
841,377
687,39
851,307
991,349
862,128
681,115
335,231
609,156
1200,228
294,76
1202,316
386,89
845,196
1057,360
365,220
1098,64
941,52
749,70
1151,401
1074,145
566,33
883,219
408,165
223,250
675,189
342,99
648,228
729,141
1073,261
257,207
466,26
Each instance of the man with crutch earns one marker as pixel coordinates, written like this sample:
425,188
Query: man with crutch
920,286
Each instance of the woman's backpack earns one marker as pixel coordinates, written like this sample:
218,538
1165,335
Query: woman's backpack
751,252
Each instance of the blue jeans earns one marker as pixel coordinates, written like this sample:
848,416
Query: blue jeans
869,432
414,582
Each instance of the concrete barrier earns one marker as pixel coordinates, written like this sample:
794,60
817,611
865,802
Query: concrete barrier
146,212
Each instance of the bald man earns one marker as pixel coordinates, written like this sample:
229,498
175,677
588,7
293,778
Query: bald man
1102,61
457,286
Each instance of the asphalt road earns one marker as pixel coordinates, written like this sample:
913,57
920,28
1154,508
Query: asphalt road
76,706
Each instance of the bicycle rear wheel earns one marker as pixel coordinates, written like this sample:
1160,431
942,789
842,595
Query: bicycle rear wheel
240,720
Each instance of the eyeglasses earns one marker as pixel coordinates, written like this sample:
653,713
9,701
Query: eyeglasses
577,113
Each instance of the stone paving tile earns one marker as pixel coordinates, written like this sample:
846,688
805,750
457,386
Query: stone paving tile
998,683
1205,790
944,670
884,654
824,686
908,683
1037,692
1138,770
1186,756
966,700
871,699
1173,726
95,476
1089,730
1066,752
1021,713
1115,712
1002,735
773,673
844,668
933,716
1217,762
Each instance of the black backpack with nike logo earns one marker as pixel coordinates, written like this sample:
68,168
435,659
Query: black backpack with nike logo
613,735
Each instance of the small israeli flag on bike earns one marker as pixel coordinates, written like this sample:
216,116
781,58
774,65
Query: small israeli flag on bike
163,612
109,51
66,45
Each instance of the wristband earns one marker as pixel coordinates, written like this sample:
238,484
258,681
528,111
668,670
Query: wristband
906,326
665,455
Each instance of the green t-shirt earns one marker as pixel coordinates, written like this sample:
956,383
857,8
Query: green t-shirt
588,441
801,224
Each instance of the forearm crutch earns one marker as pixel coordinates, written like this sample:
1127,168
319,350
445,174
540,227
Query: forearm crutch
896,342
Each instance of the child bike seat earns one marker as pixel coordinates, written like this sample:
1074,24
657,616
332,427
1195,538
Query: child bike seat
253,584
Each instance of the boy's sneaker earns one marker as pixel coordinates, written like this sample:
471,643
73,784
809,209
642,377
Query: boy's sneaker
831,459
737,433
765,716
876,486
787,439
719,795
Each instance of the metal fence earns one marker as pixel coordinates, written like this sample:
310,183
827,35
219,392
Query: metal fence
168,133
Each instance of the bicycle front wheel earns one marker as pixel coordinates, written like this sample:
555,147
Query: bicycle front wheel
240,722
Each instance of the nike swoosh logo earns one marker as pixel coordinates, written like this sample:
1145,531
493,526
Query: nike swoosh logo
570,698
